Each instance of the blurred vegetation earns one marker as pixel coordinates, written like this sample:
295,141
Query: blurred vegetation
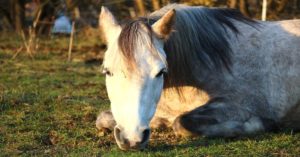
19,14
31,21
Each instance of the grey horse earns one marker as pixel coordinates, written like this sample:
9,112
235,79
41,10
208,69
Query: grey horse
201,71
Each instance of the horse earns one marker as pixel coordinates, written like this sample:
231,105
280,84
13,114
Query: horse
202,71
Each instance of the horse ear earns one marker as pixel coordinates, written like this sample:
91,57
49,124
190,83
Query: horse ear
164,26
108,24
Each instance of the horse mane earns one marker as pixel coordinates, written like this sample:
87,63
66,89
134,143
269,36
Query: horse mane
199,41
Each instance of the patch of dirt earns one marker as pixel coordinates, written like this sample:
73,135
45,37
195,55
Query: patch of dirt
164,135
89,117
71,125
105,142
52,138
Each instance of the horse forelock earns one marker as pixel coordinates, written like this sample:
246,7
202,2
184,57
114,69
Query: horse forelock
134,34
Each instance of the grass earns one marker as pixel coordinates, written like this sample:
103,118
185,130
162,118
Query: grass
48,107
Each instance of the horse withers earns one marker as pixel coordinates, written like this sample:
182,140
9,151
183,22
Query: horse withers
202,71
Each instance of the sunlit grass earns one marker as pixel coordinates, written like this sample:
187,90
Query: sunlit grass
48,107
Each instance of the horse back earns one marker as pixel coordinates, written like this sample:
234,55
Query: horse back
267,60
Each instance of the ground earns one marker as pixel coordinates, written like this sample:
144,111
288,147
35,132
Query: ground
48,107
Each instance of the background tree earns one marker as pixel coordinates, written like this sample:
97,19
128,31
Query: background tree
17,13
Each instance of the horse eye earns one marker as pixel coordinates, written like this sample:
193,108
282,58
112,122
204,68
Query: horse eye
161,72
107,72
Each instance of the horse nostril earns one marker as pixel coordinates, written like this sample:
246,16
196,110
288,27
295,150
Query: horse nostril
117,133
122,142
125,144
146,134
119,137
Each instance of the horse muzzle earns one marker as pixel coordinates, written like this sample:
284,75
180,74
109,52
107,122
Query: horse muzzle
128,144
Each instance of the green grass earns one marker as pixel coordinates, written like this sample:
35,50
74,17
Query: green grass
48,107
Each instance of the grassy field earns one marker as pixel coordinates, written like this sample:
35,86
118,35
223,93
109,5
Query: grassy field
48,107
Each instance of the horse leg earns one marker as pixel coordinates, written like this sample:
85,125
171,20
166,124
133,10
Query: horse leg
105,121
292,118
220,120
159,122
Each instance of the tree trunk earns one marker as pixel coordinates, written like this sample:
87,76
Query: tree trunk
155,4
297,6
281,6
244,7
140,6
18,14
165,2
232,3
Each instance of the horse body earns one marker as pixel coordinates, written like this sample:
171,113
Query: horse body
268,61
265,77
227,75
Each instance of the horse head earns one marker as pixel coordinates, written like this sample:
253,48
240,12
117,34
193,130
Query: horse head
134,64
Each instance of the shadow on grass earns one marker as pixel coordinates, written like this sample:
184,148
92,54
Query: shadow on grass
200,142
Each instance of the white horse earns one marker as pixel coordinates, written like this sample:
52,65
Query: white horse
202,71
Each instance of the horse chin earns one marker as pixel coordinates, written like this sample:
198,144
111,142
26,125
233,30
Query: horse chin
136,148
127,147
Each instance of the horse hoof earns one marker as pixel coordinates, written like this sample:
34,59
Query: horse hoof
180,131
